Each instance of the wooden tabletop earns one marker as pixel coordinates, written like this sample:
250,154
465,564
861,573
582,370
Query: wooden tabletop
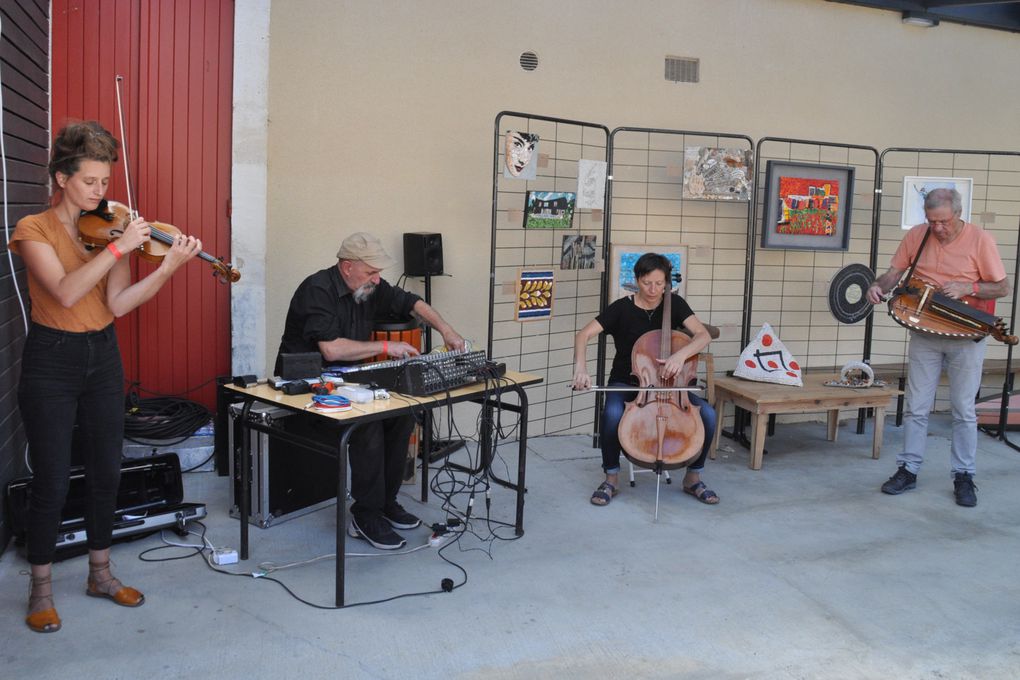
813,395
302,402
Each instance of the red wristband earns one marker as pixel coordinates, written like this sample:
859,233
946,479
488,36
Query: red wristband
975,288
113,249
385,347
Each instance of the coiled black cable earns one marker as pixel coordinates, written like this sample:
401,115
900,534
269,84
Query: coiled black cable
162,418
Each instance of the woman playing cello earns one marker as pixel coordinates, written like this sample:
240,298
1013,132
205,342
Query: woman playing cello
626,320
71,368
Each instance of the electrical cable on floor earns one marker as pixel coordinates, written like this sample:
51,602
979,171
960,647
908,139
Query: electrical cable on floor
206,546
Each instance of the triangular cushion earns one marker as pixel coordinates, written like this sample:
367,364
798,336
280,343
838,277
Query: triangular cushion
766,359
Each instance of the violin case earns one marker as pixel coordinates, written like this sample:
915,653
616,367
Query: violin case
150,498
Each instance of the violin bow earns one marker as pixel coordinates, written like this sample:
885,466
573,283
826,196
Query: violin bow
124,146
639,389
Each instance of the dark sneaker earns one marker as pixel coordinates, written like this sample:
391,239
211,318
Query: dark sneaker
964,489
376,531
400,518
903,480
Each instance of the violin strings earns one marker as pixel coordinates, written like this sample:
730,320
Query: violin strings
166,238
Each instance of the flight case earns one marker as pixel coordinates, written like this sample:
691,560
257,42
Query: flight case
287,480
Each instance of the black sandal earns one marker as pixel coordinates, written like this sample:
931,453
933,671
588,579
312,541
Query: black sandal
603,494
702,493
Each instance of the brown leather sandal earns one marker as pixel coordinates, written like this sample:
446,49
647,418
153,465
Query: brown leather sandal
43,620
111,588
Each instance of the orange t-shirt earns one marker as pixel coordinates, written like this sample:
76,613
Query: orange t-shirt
971,257
88,314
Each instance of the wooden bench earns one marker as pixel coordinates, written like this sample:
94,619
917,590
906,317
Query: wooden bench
764,399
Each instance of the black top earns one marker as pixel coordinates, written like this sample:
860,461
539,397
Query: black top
626,322
323,309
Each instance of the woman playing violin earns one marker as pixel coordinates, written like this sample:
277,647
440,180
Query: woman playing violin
626,320
71,370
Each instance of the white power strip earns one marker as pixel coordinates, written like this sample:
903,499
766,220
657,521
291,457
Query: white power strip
223,556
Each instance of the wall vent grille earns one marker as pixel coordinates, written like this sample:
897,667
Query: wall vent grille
529,61
682,69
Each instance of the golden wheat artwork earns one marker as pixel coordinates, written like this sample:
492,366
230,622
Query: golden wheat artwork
534,295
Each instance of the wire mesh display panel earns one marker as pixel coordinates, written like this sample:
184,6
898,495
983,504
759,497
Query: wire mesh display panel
789,287
648,207
527,338
994,180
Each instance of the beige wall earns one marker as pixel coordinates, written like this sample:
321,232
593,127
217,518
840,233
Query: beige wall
381,112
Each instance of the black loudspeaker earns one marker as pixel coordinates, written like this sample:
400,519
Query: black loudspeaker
423,253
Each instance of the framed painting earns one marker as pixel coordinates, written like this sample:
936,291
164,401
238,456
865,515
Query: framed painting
534,294
807,206
915,189
714,174
621,267
520,152
549,209
577,251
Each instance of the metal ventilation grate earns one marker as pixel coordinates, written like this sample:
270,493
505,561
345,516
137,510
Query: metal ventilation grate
682,69
529,61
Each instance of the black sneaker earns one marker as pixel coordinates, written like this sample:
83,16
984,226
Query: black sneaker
376,531
964,489
903,480
400,518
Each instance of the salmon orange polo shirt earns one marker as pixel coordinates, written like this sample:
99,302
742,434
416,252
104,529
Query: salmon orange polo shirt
971,257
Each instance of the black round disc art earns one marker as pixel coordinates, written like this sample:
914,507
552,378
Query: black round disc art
847,300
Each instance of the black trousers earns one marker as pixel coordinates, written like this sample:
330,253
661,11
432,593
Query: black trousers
378,451
69,378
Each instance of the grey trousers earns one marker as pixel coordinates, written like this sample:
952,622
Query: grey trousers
962,360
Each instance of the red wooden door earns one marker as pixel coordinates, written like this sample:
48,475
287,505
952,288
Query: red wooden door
176,58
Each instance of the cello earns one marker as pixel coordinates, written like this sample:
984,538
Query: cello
661,429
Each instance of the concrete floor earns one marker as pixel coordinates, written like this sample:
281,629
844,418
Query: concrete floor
803,571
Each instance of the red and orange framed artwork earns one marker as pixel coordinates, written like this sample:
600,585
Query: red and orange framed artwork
807,206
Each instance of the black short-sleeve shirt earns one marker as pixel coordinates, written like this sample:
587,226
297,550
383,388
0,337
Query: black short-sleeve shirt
323,309
625,322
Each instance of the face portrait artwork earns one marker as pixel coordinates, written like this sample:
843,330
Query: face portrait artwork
521,149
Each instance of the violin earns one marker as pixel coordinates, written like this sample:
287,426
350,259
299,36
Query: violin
660,428
919,306
107,222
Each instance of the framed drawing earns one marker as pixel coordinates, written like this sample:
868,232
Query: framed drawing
549,209
713,174
534,294
621,267
915,189
807,206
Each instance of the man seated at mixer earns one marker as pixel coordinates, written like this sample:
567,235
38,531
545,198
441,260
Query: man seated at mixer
333,312
626,320
962,261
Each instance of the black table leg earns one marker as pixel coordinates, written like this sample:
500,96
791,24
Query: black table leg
341,512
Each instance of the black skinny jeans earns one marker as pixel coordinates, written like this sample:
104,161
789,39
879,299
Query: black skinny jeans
378,452
68,378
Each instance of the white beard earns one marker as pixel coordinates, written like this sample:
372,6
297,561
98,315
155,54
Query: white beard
364,292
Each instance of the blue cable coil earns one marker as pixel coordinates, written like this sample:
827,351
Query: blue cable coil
331,400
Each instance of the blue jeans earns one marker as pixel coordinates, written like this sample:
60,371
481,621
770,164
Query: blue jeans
613,411
962,360
69,378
